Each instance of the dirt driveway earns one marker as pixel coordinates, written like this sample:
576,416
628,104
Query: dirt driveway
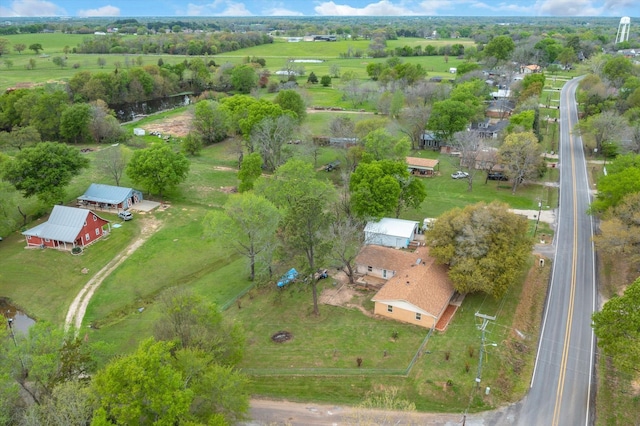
78,307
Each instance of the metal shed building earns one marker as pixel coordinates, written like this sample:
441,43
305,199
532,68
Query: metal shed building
397,233
108,197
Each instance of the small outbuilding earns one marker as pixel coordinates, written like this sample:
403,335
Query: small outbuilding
108,197
422,166
67,227
396,233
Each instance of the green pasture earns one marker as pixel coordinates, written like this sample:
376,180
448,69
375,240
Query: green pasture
13,65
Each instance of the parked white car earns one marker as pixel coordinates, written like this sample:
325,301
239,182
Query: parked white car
124,215
460,175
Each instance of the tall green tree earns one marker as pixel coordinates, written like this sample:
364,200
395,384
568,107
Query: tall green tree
74,122
617,327
384,187
211,122
449,117
303,199
250,171
290,100
36,47
474,241
379,145
44,170
247,224
157,168
194,322
143,388
500,48
244,78
304,231
42,359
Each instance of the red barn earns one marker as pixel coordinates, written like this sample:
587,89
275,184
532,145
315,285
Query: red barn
66,228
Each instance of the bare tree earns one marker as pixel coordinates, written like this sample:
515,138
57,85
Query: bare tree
347,236
413,121
342,127
467,143
270,137
631,141
425,93
112,161
520,154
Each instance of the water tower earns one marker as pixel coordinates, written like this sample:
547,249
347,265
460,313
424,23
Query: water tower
623,29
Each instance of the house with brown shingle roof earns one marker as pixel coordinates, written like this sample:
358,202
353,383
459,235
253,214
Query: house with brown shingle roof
418,293
383,262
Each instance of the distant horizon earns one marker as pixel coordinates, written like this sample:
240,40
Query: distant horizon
318,8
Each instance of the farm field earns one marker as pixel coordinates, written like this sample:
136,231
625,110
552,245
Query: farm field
276,55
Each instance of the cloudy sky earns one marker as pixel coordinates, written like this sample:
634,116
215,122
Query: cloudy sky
82,8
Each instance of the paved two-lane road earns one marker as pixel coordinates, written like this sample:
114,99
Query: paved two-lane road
561,386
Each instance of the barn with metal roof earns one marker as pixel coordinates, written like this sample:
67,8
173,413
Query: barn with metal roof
108,197
66,228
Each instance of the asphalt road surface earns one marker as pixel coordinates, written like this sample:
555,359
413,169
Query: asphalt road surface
561,387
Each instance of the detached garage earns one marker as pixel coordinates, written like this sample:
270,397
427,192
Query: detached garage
396,233
108,197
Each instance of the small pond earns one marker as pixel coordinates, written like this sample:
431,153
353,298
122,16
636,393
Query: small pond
20,320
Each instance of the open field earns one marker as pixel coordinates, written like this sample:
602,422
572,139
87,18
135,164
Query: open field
276,55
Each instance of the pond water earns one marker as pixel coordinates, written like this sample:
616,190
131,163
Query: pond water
128,112
20,320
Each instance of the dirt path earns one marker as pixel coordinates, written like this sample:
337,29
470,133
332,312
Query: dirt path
78,307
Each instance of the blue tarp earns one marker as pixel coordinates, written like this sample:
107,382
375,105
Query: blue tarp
288,277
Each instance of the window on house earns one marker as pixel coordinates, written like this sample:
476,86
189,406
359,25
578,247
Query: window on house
369,268
46,240
85,223
87,237
28,237
98,231
384,273
95,217
389,308
418,316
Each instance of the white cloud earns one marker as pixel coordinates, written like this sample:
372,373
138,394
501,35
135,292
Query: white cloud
32,8
381,8
281,11
101,11
235,9
567,8
217,8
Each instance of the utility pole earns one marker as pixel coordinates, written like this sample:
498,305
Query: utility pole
538,218
483,327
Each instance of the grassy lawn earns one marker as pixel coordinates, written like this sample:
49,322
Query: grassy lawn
319,363
44,282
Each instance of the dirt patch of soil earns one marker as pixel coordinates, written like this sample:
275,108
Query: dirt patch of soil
177,125
342,294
